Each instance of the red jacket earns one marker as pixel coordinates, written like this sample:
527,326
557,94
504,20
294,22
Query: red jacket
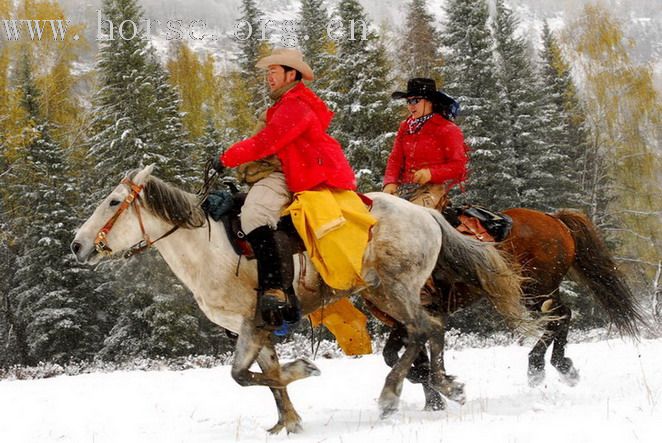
438,145
296,133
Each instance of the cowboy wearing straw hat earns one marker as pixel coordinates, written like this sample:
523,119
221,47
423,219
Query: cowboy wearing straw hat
299,155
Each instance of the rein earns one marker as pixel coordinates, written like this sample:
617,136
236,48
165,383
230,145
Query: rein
132,200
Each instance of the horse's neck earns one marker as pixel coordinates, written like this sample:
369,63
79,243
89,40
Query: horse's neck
205,262
222,284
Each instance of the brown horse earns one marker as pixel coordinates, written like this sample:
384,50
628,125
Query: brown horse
547,248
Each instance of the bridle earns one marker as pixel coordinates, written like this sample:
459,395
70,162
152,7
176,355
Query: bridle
100,243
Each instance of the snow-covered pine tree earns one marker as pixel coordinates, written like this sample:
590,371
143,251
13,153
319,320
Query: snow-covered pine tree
136,116
317,47
564,135
251,48
54,309
138,123
12,333
521,138
420,48
469,75
366,121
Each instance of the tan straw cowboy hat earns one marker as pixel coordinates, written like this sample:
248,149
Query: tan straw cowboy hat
287,57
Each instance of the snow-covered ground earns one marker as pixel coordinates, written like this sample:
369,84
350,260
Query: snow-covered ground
619,399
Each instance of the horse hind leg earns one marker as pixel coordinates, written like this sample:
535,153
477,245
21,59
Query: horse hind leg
440,381
420,370
390,395
563,364
536,370
288,418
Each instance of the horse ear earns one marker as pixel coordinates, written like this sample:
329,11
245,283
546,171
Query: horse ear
142,176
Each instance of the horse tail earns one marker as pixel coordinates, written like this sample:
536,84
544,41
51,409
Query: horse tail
596,268
480,265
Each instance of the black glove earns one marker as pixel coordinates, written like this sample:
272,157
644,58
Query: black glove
217,165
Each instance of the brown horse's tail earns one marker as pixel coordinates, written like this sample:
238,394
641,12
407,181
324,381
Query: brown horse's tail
480,265
596,268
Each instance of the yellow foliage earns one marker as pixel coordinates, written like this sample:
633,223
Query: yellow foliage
199,88
242,119
53,73
623,109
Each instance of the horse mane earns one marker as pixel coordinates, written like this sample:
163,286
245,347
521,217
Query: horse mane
172,205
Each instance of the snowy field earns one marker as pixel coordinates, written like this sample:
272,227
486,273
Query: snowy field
617,400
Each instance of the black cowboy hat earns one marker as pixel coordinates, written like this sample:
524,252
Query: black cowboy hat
426,88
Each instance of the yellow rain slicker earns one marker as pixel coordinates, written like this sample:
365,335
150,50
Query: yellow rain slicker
335,228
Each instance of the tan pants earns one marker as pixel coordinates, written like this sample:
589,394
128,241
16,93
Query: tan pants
430,195
264,202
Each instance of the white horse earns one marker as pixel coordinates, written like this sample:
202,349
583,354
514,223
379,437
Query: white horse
405,247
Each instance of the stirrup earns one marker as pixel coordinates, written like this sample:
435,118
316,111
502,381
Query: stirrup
270,306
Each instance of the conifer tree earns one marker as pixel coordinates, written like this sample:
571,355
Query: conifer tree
252,47
54,309
318,49
520,115
420,48
137,121
469,75
563,164
365,121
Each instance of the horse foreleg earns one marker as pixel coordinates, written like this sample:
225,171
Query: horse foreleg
288,418
569,374
251,341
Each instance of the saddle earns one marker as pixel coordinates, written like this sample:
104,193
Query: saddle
479,222
225,206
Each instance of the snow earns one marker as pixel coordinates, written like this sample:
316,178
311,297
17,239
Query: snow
617,400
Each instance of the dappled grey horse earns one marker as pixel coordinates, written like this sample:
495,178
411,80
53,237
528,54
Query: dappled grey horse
405,247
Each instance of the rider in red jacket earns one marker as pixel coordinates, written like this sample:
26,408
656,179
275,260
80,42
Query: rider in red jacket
296,132
300,156
429,154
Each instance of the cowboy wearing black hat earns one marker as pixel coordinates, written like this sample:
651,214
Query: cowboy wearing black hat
429,155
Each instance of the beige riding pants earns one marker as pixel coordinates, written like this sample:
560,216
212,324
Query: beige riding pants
429,195
264,202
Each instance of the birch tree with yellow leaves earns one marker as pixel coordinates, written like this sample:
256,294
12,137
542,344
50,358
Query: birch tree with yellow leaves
623,116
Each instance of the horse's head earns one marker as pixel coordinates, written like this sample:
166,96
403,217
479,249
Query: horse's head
116,224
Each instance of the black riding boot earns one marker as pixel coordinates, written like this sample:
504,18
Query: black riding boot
275,269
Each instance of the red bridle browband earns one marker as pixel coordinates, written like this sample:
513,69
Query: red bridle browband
100,241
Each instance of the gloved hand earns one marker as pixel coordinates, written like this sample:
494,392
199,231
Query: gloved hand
422,176
217,165
391,188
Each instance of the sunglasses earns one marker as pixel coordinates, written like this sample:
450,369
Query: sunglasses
414,100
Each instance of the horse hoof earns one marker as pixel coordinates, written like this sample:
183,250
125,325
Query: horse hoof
276,428
435,405
310,367
291,428
536,377
433,400
387,412
451,389
570,377
388,405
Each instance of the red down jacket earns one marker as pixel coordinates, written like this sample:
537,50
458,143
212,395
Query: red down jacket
438,145
296,133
